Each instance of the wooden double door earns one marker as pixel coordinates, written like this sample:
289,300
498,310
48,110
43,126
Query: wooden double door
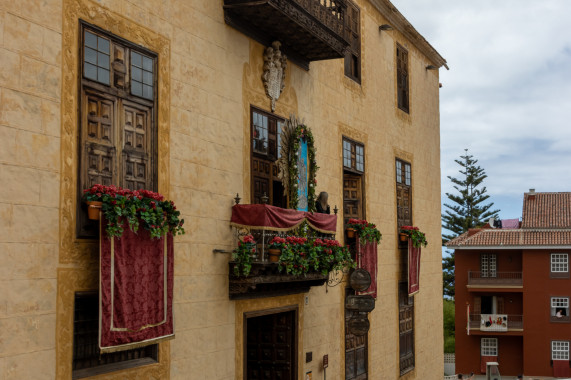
271,346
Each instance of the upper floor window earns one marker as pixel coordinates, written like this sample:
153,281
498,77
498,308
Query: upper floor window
353,55
404,193
488,265
560,350
117,128
560,263
406,329
265,134
559,309
353,155
489,347
402,79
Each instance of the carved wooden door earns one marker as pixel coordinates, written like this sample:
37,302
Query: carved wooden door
356,354
352,197
271,347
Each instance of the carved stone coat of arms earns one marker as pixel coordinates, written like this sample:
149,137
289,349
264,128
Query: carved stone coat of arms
275,64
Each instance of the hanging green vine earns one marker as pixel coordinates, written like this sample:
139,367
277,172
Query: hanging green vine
292,133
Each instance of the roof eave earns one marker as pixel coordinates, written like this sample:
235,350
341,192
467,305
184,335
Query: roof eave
400,23
480,247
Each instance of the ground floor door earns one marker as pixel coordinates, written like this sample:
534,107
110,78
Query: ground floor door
355,349
271,346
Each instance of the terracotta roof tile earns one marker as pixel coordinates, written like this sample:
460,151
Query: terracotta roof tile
546,221
546,210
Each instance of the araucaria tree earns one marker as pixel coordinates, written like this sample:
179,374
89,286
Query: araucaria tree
467,209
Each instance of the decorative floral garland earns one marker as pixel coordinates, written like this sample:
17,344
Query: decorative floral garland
292,133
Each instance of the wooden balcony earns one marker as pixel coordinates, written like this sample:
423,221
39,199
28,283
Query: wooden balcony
309,30
495,280
266,280
496,323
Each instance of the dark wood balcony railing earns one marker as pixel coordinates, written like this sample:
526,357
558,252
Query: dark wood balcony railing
309,30
489,322
498,279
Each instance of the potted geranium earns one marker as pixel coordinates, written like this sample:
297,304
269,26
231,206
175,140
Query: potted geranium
329,255
134,209
368,232
243,255
277,245
417,237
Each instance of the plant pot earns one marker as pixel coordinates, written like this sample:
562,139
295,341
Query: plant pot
403,237
274,255
93,208
351,233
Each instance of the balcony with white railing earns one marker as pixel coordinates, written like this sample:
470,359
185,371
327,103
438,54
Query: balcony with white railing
495,279
496,322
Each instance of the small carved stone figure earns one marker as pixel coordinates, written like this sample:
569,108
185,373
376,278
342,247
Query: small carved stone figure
275,64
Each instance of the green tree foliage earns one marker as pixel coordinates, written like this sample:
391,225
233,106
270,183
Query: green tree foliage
449,333
466,209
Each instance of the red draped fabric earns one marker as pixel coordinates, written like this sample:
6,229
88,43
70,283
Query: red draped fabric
367,259
486,359
561,368
413,268
136,290
266,217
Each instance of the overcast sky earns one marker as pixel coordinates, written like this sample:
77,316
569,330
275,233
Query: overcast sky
507,96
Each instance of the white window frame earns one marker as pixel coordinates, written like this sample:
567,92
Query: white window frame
489,347
559,263
559,303
559,350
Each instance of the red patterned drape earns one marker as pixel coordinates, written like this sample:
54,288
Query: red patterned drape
136,290
367,259
413,268
561,368
266,217
486,359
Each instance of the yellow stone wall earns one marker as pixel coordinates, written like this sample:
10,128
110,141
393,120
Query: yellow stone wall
209,76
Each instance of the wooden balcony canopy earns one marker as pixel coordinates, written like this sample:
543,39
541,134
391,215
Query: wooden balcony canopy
309,30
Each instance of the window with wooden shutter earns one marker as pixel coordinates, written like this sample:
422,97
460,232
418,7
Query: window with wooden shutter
353,170
353,55
87,359
406,329
265,132
402,79
404,193
117,117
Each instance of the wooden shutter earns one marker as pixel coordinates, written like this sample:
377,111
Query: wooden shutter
402,79
404,194
477,305
356,349
352,197
117,129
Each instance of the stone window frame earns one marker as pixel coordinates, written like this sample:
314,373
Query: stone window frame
352,60
117,97
403,79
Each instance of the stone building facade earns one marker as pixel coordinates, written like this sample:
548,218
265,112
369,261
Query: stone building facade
206,80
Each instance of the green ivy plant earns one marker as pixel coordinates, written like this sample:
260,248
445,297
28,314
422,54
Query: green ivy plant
417,237
292,134
135,208
368,232
242,255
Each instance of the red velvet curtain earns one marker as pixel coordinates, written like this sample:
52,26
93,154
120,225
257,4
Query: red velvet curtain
367,259
561,368
266,217
136,290
486,359
413,268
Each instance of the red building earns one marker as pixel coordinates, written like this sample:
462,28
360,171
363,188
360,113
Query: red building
513,290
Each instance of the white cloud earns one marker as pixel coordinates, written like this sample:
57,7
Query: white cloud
507,96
